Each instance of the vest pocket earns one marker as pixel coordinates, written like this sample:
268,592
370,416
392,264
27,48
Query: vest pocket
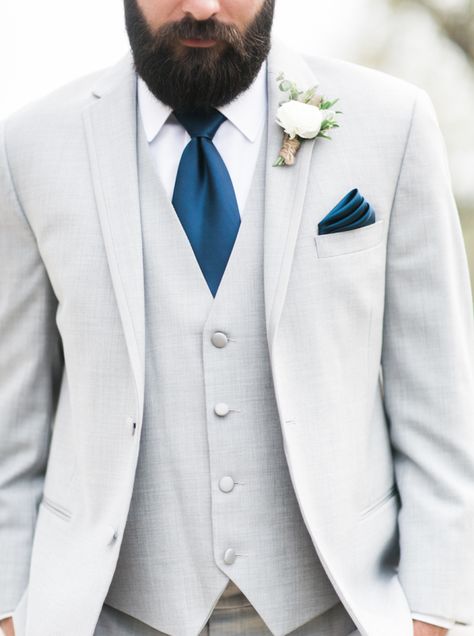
56,508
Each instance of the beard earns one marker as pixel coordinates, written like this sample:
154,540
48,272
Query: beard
192,78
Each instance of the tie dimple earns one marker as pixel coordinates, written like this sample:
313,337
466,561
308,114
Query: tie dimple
204,196
199,123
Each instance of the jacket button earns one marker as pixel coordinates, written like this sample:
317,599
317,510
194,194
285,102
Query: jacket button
132,425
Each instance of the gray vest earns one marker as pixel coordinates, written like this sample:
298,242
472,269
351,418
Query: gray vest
212,498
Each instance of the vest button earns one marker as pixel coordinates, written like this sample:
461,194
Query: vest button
229,556
221,409
226,484
219,339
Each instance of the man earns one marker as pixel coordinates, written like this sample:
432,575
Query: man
260,403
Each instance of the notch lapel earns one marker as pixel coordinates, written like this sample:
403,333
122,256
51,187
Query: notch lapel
110,126
285,187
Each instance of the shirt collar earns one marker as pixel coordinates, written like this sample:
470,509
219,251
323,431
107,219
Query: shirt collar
246,112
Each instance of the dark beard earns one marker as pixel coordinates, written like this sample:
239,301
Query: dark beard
198,78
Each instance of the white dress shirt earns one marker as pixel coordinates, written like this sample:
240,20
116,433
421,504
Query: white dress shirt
237,141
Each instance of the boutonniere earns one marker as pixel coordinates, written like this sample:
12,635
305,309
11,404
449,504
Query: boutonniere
304,115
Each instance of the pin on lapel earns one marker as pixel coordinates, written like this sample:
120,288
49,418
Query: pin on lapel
304,115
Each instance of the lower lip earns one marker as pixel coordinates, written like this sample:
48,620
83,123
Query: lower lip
203,44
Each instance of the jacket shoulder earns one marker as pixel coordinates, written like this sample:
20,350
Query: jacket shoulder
374,101
360,79
61,108
70,96
52,125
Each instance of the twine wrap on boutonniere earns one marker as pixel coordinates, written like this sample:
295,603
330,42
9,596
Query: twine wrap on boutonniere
304,115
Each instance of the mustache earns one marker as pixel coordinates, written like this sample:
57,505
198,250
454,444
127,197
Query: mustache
190,29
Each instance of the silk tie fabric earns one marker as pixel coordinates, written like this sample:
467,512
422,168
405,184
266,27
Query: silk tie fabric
204,197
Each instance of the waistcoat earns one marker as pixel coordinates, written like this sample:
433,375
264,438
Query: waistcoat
213,499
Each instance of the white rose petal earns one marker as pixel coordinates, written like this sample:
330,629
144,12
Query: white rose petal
298,118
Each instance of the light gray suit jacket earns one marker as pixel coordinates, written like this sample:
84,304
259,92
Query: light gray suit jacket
370,334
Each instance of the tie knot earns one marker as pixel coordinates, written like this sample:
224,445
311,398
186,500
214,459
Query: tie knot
200,123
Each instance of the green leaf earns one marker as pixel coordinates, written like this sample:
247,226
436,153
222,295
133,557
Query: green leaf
294,92
309,94
328,103
285,86
329,123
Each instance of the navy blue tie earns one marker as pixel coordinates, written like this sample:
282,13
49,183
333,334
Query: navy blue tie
204,196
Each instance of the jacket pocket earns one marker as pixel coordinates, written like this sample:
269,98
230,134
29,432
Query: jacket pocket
57,509
388,496
349,241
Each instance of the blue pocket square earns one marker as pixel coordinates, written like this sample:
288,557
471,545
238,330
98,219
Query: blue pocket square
351,212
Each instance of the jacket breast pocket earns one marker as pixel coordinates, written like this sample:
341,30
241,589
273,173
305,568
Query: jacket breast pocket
350,241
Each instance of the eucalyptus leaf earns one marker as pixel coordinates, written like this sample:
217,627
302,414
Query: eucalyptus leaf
285,86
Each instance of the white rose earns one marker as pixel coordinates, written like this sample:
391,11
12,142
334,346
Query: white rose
298,118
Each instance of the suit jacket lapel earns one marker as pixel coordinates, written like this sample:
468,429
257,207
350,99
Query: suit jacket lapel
285,187
110,125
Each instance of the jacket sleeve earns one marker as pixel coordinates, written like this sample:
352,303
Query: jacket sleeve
428,378
31,363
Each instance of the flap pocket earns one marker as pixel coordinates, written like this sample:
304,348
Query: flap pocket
349,241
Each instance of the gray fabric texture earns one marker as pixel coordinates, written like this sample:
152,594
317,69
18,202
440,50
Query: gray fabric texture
369,334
